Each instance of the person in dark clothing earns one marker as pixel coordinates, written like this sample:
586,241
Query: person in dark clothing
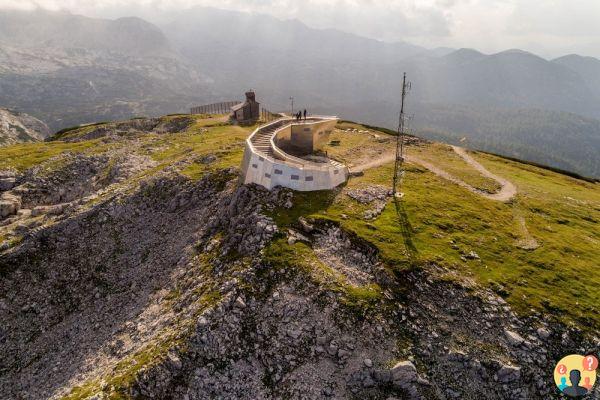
305,114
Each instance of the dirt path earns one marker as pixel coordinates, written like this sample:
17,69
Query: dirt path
527,241
507,191
384,159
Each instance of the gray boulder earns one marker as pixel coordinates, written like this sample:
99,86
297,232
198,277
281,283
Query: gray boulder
404,372
404,376
513,338
508,373
543,333
7,183
9,205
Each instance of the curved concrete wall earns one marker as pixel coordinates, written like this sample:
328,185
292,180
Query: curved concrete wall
305,137
286,170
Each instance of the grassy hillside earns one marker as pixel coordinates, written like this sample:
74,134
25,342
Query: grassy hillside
439,222
436,221
538,251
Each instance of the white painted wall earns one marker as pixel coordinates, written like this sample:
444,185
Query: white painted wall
290,171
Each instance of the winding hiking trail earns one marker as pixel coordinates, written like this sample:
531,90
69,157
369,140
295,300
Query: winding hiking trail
507,191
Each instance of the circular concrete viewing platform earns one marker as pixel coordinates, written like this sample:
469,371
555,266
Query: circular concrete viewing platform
268,160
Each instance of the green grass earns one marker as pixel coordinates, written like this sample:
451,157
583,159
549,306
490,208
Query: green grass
123,375
562,213
437,221
84,391
354,147
225,142
205,136
75,131
26,155
446,158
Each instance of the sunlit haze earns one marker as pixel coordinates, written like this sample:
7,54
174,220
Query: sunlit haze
557,28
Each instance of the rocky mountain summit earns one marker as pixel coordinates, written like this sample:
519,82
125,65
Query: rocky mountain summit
133,264
18,127
73,69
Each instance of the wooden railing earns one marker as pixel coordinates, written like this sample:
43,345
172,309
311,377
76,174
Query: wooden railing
223,107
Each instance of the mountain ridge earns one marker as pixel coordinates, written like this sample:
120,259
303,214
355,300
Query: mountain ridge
357,77
133,258
65,30
18,127
68,69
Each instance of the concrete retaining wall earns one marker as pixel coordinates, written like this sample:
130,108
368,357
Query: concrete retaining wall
289,171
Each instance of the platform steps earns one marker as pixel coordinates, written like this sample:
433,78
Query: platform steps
336,164
262,140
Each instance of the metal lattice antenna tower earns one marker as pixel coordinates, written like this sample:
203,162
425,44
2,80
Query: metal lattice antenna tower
398,170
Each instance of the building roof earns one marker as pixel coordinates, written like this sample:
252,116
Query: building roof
238,106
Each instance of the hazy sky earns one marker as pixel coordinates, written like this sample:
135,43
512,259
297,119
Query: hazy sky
547,27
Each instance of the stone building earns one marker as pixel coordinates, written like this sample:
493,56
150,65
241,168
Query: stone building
248,110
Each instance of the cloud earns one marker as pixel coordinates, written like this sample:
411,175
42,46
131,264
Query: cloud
550,27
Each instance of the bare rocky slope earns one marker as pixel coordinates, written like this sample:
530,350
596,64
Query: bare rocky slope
18,127
125,275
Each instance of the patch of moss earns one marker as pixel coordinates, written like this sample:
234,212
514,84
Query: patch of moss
85,391
126,371
117,384
74,131
300,258
26,155
362,297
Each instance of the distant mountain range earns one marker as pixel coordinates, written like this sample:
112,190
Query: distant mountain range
326,67
513,103
69,69
588,69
